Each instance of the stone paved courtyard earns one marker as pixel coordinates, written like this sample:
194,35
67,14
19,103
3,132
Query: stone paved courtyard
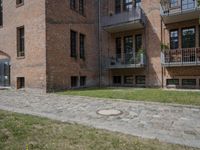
168,123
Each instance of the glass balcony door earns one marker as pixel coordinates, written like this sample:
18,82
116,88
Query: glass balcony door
128,50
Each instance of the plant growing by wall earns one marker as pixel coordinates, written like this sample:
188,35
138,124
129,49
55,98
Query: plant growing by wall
198,2
164,47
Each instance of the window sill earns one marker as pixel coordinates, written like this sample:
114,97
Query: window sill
78,12
21,57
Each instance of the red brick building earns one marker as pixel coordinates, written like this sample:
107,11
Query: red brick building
54,45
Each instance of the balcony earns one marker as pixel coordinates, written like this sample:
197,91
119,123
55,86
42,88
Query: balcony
128,60
129,20
180,10
181,57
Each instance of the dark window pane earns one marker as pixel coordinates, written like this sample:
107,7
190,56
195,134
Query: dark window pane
138,42
189,82
128,44
117,6
82,46
117,80
20,82
140,80
174,39
81,7
74,81
73,4
128,49
128,80
172,81
188,38
82,81
73,43
118,47
20,42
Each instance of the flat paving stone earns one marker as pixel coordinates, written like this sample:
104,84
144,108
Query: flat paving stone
168,123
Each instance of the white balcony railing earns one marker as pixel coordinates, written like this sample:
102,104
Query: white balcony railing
127,60
136,14
181,57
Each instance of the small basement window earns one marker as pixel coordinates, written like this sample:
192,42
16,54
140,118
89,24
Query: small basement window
172,82
128,79
20,82
117,80
189,82
83,81
74,81
140,80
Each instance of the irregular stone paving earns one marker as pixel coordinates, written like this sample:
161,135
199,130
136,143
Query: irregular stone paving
168,123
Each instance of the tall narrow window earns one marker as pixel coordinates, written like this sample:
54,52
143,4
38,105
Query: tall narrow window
188,38
73,36
127,5
74,81
73,4
174,39
118,47
83,81
82,46
128,44
128,50
20,42
20,82
138,42
81,7
1,13
117,6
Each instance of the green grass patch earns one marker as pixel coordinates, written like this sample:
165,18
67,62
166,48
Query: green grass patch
143,94
18,132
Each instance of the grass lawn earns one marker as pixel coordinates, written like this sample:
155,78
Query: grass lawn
23,132
153,95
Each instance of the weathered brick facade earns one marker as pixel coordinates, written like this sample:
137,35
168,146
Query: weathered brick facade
31,15
47,64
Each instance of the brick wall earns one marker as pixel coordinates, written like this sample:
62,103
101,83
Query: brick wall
60,66
31,15
151,43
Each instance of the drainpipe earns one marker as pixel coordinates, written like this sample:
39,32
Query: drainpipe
162,76
99,41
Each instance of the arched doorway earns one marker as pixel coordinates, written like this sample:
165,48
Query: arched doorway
4,70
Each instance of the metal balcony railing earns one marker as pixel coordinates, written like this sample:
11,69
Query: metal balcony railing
127,60
181,57
175,7
135,14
